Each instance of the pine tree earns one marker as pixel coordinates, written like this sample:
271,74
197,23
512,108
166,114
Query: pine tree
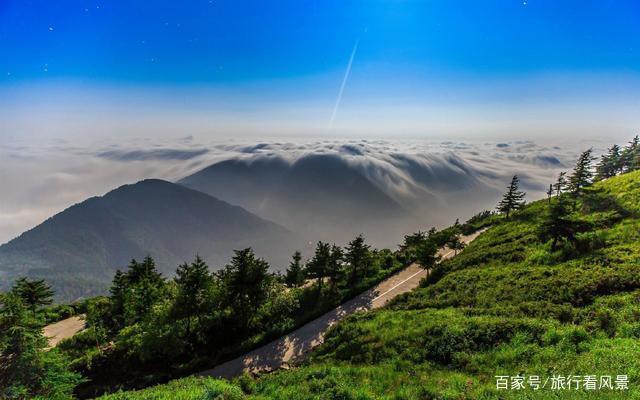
334,266
616,159
295,274
318,265
413,240
582,173
611,164
409,245
558,226
194,285
34,293
550,192
427,254
513,199
561,184
455,244
358,257
118,292
26,369
146,270
134,292
246,282
20,340
631,155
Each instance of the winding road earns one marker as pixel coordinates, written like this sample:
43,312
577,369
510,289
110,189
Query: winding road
63,329
280,352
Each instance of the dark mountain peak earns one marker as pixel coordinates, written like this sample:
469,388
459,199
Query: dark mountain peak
84,244
149,186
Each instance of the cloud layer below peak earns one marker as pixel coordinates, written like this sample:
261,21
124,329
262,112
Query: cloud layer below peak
436,180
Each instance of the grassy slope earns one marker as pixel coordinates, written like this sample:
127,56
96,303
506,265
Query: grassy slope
506,305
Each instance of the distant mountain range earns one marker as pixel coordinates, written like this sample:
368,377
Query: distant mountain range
78,250
319,196
230,205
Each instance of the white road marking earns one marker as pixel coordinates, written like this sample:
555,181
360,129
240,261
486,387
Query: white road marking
444,256
274,355
419,272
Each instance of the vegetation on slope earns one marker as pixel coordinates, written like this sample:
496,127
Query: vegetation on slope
551,289
27,371
512,303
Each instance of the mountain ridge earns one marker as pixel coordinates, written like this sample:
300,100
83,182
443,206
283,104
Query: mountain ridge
508,306
93,238
320,195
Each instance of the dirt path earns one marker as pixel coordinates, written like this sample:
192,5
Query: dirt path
63,329
279,353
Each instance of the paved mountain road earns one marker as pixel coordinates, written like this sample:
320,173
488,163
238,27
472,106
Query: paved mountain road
280,352
63,329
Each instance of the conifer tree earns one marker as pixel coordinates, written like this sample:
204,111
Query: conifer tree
427,254
558,226
34,293
134,292
358,256
246,282
611,164
561,184
295,274
455,244
616,158
413,240
26,370
146,270
334,266
194,285
318,265
410,244
550,192
582,173
513,199
631,155
117,291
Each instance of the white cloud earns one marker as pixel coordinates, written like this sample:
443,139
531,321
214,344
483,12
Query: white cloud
424,175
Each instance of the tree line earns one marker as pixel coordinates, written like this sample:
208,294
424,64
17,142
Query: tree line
149,323
559,226
149,326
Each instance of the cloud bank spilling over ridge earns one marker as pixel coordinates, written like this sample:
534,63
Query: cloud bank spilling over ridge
436,180
434,166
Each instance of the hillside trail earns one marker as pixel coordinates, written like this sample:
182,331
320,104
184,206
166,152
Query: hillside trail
64,329
279,353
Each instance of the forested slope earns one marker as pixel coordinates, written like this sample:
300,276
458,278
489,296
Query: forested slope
511,304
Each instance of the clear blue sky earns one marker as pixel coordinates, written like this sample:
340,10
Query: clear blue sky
458,54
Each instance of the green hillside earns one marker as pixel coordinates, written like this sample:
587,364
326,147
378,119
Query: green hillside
507,305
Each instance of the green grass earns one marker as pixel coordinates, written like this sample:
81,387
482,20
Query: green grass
506,305
186,389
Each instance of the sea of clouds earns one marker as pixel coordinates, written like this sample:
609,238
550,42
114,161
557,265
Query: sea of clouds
438,180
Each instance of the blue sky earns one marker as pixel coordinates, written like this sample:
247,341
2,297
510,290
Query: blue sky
234,65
